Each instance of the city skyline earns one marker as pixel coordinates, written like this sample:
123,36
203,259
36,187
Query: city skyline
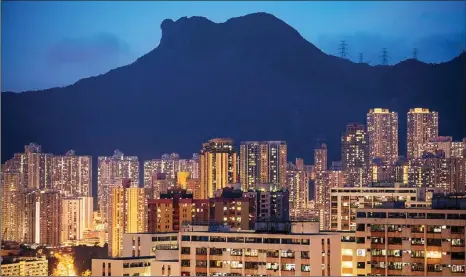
233,138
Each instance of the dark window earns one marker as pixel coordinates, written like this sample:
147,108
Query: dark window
457,255
434,242
185,238
185,250
236,239
361,227
360,240
272,240
457,230
435,216
361,214
361,265
253,240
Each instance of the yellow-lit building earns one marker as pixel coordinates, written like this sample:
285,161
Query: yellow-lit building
422,127
127,214
25,266
297,183
182,178
111,170
262,162
218,160
72,174
12,216
382,130
77,217
320,158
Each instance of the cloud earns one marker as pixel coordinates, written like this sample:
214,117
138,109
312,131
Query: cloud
103,49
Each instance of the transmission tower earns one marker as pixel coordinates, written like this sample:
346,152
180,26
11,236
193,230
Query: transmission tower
384,56
343,49
415,53
361,58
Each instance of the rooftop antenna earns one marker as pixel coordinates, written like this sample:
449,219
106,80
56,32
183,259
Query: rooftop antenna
384,56
361,57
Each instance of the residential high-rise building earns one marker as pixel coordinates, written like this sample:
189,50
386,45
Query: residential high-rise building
414,241
298,187
72,175
12,207
355,154
230,207
170,165
160,183
34,167
50,205
127,214
444,145
382,130
438,171
42,217
324,182
111,170
175,208
272,204
218,164
31,217
320,158
194,186
262,162
77,217
422,127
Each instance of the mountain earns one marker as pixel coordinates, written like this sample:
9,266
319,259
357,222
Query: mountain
249,78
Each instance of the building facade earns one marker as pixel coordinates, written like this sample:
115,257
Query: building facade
320,158
355,154
382,130
127,214
72,175
25,266
297,184
413,241
422,126
347,200
111,170
174,208
262,162
77,217
218,164
12,207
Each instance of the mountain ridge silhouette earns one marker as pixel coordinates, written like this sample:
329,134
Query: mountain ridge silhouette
250,78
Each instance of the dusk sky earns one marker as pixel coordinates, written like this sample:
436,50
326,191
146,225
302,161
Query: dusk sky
48,44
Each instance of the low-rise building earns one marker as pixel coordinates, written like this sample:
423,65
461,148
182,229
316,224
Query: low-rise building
414,241
345,201
25,266
122,266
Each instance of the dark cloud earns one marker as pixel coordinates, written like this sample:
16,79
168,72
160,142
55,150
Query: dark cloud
97,50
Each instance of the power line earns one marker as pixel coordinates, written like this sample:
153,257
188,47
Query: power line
415,53
343,49
384,56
